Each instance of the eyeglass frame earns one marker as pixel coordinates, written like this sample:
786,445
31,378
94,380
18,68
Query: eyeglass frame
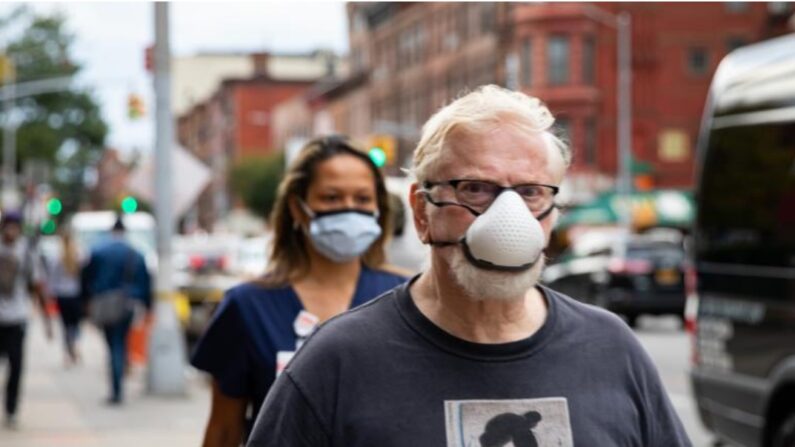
427,184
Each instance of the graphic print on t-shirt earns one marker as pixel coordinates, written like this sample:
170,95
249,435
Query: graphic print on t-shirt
508,423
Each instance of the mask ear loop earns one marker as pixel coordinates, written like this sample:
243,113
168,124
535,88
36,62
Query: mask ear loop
305,208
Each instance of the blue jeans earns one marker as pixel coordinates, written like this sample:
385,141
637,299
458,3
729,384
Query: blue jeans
116,336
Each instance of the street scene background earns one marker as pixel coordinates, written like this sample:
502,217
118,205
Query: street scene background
250,84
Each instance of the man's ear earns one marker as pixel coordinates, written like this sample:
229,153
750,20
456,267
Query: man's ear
418,208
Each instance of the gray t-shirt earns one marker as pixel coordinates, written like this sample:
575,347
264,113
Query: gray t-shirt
15,307
384,375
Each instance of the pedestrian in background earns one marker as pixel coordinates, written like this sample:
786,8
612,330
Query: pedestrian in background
21,279
116,283
329,223
64,281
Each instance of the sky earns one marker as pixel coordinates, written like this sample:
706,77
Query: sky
110,39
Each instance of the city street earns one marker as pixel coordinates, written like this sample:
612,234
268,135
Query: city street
669,347
64,407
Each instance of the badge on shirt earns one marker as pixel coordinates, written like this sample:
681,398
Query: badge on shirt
520,423
303,326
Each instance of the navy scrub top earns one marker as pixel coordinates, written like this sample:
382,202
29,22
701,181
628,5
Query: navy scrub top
252,324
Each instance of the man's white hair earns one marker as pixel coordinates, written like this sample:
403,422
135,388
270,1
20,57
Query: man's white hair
478,111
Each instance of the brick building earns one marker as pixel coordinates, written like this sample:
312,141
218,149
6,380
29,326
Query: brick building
415,57
567,56
236,121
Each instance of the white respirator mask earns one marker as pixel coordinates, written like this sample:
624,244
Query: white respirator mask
505,237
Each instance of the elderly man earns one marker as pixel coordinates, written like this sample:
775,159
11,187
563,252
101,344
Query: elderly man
474,352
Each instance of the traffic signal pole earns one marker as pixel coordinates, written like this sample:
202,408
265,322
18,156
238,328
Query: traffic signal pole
9,197
166,374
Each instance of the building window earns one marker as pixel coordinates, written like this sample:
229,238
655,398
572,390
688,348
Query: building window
527,62
488,17
589,60
697,61
558,60
590,142
734,42
736,7
673,145
778,8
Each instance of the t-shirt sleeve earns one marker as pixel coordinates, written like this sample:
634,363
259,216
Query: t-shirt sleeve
663,427
223,349
288,418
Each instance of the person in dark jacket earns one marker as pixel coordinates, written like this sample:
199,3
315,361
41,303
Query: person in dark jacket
115,265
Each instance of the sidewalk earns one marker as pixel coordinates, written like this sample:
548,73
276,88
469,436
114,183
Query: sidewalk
65,406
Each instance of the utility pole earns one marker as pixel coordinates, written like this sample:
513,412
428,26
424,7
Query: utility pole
10,195
624,48
166,375
622,23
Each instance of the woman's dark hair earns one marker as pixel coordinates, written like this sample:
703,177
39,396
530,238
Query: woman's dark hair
289,258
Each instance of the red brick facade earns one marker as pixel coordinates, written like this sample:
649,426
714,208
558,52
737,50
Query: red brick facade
420,55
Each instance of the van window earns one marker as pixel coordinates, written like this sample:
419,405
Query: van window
747,196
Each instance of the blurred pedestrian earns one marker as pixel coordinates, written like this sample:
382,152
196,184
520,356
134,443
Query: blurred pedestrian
116,283
474,351
21,279
64,280
329,222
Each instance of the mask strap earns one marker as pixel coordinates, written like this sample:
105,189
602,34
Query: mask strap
546,213
305,208
433,243
443,204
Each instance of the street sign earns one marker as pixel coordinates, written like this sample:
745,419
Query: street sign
192,179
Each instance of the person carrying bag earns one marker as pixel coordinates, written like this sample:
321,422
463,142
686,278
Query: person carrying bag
111,306
114,281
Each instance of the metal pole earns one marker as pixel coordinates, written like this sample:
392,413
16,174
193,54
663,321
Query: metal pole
166,345
624,128
164,138
10,196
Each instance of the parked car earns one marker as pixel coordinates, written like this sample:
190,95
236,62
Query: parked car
203,271
741,303
645,275
629,274
580,268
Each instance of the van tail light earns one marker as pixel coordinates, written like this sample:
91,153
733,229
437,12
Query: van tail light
196,262
691,311
630,266
223,263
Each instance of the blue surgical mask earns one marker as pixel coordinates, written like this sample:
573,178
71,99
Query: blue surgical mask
342,235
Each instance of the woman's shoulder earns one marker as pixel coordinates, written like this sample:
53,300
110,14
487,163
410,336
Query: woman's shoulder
256,292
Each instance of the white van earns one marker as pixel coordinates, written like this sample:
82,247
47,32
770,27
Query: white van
91,227
404,249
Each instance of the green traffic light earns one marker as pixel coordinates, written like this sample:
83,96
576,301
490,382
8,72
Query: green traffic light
129,204
378,156
49,226
54,206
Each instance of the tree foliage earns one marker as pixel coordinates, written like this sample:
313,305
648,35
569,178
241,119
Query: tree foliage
63,129
255,180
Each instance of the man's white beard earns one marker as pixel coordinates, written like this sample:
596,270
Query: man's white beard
481,284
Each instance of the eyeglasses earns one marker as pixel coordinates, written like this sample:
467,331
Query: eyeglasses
478,195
